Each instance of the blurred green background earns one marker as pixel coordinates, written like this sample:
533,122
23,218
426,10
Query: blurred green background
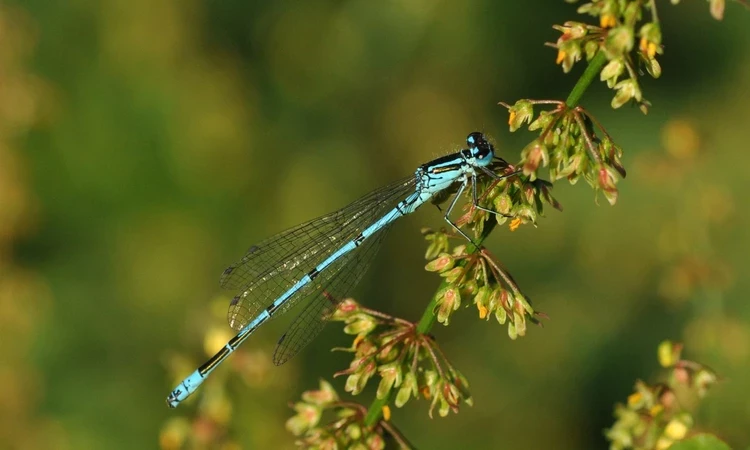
144,145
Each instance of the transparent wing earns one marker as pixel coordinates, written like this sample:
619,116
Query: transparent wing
329,291
272,267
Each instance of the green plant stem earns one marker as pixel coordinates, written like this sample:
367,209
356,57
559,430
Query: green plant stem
428,316
583,83
376,410
428,319
654,14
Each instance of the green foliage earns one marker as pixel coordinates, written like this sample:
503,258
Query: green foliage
700,442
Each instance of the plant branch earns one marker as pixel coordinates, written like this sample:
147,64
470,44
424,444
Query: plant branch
583,83
654,14
396,435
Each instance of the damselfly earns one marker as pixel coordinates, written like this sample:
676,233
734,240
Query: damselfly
320,261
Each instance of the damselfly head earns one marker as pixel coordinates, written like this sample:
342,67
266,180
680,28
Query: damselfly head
476,138
480,147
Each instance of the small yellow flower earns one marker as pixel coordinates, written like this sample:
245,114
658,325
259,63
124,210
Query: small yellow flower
634,398
607,21
483,311
656,409
515,223
560,56
663,443
648,48
643,45
675,430
512,117
386,413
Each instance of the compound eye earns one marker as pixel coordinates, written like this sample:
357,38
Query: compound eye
475,139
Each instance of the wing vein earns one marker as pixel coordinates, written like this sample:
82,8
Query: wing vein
273,266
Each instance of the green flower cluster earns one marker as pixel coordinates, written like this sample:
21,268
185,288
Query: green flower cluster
515,199
656,416
569,145
620,22
346,431
404,359
480,277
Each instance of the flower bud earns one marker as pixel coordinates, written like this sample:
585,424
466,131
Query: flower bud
526,214
704,379
619,41
307,417
354,431
501,315
512,332
443,262
459,250
352,383
452,275
668,353
345,309
626,91
717,8
590,48
450,301
612,71
360,324
390,376
663,443
325,395
502,204
534,156
606,182
469,288
430,380
408,389
438,243
445,408
373,442
520,322
451,394
675,430
568,53
481,299
632,13
653,67
520,113
523,304
357,381
542,121
668,399
389,352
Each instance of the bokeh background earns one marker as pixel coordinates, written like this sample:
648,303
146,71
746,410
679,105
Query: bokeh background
144,145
